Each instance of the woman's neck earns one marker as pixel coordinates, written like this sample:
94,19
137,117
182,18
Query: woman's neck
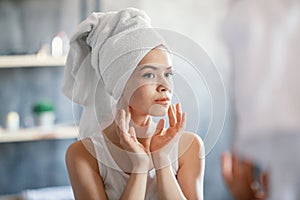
140,124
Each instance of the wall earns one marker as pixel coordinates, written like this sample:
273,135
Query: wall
21,88
30,165
26,25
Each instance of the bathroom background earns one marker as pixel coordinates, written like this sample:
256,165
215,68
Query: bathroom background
27,26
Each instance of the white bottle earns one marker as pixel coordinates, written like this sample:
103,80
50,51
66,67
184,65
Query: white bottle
12,121
60,45
57,46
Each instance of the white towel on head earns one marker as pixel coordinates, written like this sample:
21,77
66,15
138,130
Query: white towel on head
104,52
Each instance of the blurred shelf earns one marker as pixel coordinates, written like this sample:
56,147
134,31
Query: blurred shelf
32,134
32,60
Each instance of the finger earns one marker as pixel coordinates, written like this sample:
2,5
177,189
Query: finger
169,112
123,135
174,112
118,119
133,134
123,121
128,117
124,138
178,116
171,116
226,167
179,130
160,126
183,122
122,124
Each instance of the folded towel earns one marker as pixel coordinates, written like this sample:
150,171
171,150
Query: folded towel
104,52
49,193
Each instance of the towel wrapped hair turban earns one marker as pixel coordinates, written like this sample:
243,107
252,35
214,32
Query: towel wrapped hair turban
104,51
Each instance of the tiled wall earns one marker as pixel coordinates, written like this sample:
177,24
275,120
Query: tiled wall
25,26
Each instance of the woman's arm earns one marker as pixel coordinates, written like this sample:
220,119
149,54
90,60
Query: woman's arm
189,182
167,185
85,178
84,173
190,174
136,186
137,183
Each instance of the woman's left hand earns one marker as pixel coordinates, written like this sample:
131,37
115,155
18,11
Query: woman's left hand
163,141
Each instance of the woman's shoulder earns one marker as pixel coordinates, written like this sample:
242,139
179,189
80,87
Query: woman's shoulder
81,153
191,144
191,138
83,171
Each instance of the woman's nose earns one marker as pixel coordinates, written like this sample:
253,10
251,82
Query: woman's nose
164,85
162,88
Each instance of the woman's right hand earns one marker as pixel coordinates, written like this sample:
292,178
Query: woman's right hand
137,153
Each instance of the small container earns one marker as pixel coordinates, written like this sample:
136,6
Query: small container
44,115
60,45
12,121
57,46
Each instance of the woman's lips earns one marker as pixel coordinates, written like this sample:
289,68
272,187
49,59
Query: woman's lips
164,102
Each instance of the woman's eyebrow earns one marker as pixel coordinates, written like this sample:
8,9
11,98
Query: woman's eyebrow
153,67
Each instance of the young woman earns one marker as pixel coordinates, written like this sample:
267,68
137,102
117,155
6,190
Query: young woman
130,160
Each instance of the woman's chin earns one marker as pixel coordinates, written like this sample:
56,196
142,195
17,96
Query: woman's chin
158,110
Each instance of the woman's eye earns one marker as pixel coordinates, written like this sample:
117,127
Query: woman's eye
148,75
170,74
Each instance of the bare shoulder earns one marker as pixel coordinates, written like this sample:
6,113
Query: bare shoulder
191,165
191,145
81,154
83,171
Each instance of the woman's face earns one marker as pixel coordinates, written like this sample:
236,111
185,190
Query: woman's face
149,89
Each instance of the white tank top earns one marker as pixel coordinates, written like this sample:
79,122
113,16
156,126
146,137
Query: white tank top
114,179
